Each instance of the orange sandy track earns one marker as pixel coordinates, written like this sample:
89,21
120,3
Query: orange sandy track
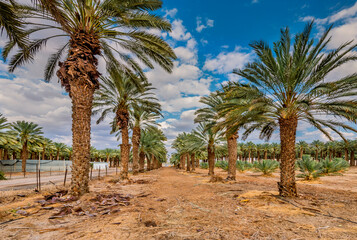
173,204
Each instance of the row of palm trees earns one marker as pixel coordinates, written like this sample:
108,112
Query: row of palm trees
25,140
285,85
119,31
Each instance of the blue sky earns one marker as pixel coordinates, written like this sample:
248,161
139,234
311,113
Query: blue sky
210,38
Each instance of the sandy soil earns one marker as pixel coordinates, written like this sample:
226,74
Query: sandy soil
173,204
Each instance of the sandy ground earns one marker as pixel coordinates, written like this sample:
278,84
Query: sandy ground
172,204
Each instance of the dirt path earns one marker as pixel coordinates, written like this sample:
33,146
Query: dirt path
172,204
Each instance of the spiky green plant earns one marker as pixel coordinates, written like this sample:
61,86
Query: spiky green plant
204,165
334,166
309,168
267,167
222,164
243,166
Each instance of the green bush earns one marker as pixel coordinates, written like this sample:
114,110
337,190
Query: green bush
2,176
204,165
267,167
222,164
334,166
243,166
308,167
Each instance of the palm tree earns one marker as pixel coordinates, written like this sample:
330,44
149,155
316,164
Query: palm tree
10,22
27,133
289,82
152,148
119,95
60,148
205,137
317,146
143,117
4,127
302,147
213,112
90,26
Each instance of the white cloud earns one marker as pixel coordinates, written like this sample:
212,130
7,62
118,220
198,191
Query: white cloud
171,13
179,32
225,62
201,26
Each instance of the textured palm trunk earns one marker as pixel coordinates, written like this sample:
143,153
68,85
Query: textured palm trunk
352,163
6,154
154,162
1,151
136,141
193,162
301,153
287,184
211,156
141,161
148,165
182,163
249,159
232,156
24,154
125,151
258,155
346,154
79,76
188,163
197,162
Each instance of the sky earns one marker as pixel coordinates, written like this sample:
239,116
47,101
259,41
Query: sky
210,39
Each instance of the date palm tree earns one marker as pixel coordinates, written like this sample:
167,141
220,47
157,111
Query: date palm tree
117,30
27,133
205,137
143,117
118,95
289,81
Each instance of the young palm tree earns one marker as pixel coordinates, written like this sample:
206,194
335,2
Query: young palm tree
302,146
4,127
289,81
60,148
91,26
205,137
119,94
27,133
143,117
152,148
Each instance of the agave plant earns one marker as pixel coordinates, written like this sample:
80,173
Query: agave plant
309,168
334,166
243,166
267,167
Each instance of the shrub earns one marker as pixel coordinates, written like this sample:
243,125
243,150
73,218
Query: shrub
308,167
267,167
204,165
2,176
222,164
243,166
334,166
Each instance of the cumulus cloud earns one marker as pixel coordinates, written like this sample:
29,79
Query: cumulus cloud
225,62
200,25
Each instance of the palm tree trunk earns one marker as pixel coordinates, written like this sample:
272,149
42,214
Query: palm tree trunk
287,185
352,163
197,162
79,76
265,154
148,165
232,156
125,151
346,154
193,163
82,98
211,156
24,156
182,163
141,161
188,163
136,141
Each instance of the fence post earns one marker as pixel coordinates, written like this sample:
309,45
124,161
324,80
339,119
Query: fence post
39,179
106,171
65,177
116,170
99,173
